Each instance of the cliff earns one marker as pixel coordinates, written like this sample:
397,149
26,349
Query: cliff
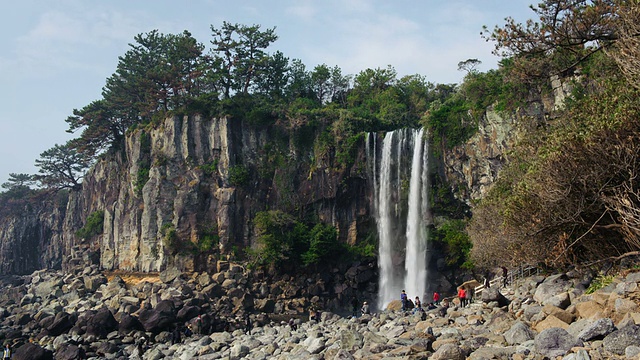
183,193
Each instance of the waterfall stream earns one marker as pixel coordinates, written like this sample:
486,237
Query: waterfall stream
399,170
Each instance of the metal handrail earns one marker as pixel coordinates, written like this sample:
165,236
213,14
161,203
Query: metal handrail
512,275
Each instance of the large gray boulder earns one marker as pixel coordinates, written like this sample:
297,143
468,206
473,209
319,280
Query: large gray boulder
494,294
617,341
551,286
597,330
519,333
555,342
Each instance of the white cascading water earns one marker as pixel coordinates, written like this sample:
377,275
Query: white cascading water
401,219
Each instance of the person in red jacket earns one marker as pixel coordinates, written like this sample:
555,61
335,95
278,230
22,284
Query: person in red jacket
462,295
436,298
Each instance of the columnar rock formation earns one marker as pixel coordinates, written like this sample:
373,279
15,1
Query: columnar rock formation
178,182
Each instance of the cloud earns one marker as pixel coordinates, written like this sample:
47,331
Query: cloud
62,41
302,10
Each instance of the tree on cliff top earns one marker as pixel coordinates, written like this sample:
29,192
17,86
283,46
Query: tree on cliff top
239,56
61,167
569,194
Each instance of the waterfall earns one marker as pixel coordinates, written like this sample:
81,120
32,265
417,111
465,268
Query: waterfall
400,202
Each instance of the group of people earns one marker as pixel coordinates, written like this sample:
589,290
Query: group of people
464,295
417,304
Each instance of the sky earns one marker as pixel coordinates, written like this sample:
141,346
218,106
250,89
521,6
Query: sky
56,55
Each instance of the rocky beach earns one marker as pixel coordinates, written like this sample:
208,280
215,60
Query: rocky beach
88,314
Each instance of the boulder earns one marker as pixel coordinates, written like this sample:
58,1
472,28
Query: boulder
519,333
129,323
448,352
161,318
619,340
555,342
597,330
494,294
169,275
70,352
101,323
551,286
31,351
61,324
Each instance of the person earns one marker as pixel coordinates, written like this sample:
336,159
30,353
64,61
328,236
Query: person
505,273
188,332
248,324
418,304
468,296
292,324
176,338
354,306
198,325
445,306
431,306
7,352
403,299
423,314
462,296
436,298
365,308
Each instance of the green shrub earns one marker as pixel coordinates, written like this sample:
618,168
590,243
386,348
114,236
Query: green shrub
238,175
170,238
210,168
93,226
599,282
457,243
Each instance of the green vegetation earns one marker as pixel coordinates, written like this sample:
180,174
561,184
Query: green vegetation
238,175
144,162
283,240
170,240
599,282
569,193
93,226
457,244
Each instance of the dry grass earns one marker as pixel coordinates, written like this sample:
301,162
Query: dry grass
133,278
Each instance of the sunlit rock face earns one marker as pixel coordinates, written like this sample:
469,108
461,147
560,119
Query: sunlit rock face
173,185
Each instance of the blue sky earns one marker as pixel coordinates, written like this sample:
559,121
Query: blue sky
57,54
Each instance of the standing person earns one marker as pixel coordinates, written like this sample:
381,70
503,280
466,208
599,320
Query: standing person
468,295
505,273
436,298
7,352
248,324
418,303
403,299
354,306
462,296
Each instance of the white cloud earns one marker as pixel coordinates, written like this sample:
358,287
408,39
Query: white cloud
302,10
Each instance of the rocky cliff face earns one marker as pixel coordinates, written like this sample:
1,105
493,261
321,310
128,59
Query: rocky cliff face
182,185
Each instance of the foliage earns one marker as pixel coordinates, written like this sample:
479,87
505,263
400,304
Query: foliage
208,238
93,225
282,240
170,240
238,175
18,186
450,123
144,162
567,34
61,167
599,282
323,245
211,168
457,243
